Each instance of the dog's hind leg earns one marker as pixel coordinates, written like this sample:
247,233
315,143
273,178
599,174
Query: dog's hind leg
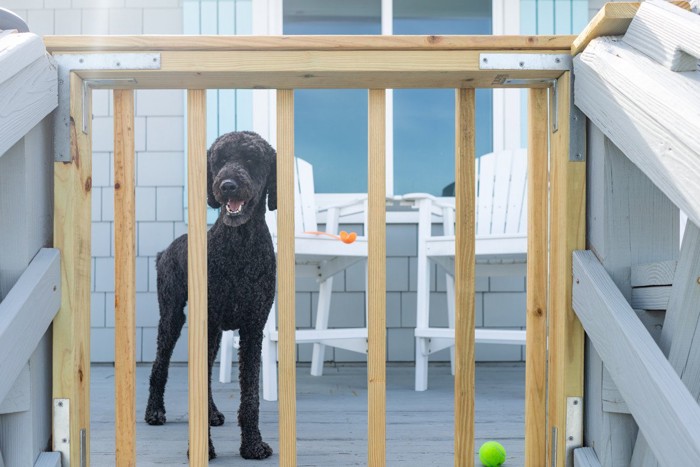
172,319
252,445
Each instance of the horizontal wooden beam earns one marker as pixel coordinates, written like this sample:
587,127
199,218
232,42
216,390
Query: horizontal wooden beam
26,313
585,457
651,118
667,414
56,44
294,69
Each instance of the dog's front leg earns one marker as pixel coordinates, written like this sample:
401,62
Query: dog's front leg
252,445
216,418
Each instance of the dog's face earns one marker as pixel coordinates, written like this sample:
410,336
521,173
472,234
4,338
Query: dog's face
241,172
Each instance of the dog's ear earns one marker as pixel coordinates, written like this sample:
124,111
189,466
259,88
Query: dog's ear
272,182
211,201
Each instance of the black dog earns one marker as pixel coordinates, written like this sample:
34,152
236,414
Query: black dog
241,263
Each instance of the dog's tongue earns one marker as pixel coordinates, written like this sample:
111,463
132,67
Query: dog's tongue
234,206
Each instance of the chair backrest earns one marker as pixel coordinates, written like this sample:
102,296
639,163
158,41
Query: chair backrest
501,206
304,197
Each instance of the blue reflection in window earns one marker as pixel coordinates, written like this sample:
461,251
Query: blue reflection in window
330,125
424,129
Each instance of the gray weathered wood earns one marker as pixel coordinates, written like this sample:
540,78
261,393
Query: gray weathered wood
629,222
657,273
662,406
681,331
26,313
48,459
28,86
667,33
651,298
18,397
585,457
651,118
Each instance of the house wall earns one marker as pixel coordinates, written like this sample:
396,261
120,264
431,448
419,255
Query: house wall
160,178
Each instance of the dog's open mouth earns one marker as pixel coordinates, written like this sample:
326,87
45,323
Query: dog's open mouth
234,207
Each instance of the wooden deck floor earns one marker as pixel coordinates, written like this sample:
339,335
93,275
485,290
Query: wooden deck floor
332,418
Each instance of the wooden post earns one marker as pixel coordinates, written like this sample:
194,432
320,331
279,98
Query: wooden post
465,269
72,229
536,324
197,277
124,279
376,289
286,278
567,233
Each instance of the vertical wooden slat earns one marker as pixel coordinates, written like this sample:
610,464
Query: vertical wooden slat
376,264
536,321
124,279
286,278
567,233
465,268
197,276
72,229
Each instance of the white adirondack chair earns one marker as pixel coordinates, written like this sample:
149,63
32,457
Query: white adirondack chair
317,256
501,249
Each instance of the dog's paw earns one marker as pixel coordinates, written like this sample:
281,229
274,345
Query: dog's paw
259,450
155,416
216,418
212,452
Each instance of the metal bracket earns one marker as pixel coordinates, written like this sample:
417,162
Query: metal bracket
491,61
68,63
61,429
577,132
574,427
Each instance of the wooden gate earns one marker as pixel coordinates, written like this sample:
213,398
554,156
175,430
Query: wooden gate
556,210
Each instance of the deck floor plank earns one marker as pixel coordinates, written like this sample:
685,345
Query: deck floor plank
332,417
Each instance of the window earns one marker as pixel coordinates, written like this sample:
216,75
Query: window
331,125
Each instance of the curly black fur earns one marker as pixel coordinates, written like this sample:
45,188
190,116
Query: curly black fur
241,263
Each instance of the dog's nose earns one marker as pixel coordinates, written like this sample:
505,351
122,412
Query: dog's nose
228,186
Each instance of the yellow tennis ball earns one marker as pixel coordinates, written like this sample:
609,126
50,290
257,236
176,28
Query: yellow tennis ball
492,454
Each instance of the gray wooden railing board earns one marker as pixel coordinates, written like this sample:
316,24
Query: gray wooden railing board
26,313
658,273
651,118
680,337
630,222
585,457
48,459
651,298
28,86
663,408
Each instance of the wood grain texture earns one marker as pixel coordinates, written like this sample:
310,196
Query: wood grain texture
679,335
585,457
465,187
666,33
56,44
197,277
567,233
25,315
124,278
72,230
536,300
280,69
622,108
651,298
639,368
286,347
611,20
629,222
376,286
657,273
25,99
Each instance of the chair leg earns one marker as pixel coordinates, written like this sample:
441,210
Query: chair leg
269,359
226,357
421,364
322,314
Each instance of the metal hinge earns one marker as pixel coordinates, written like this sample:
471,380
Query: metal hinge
574,427
68,63
61,429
